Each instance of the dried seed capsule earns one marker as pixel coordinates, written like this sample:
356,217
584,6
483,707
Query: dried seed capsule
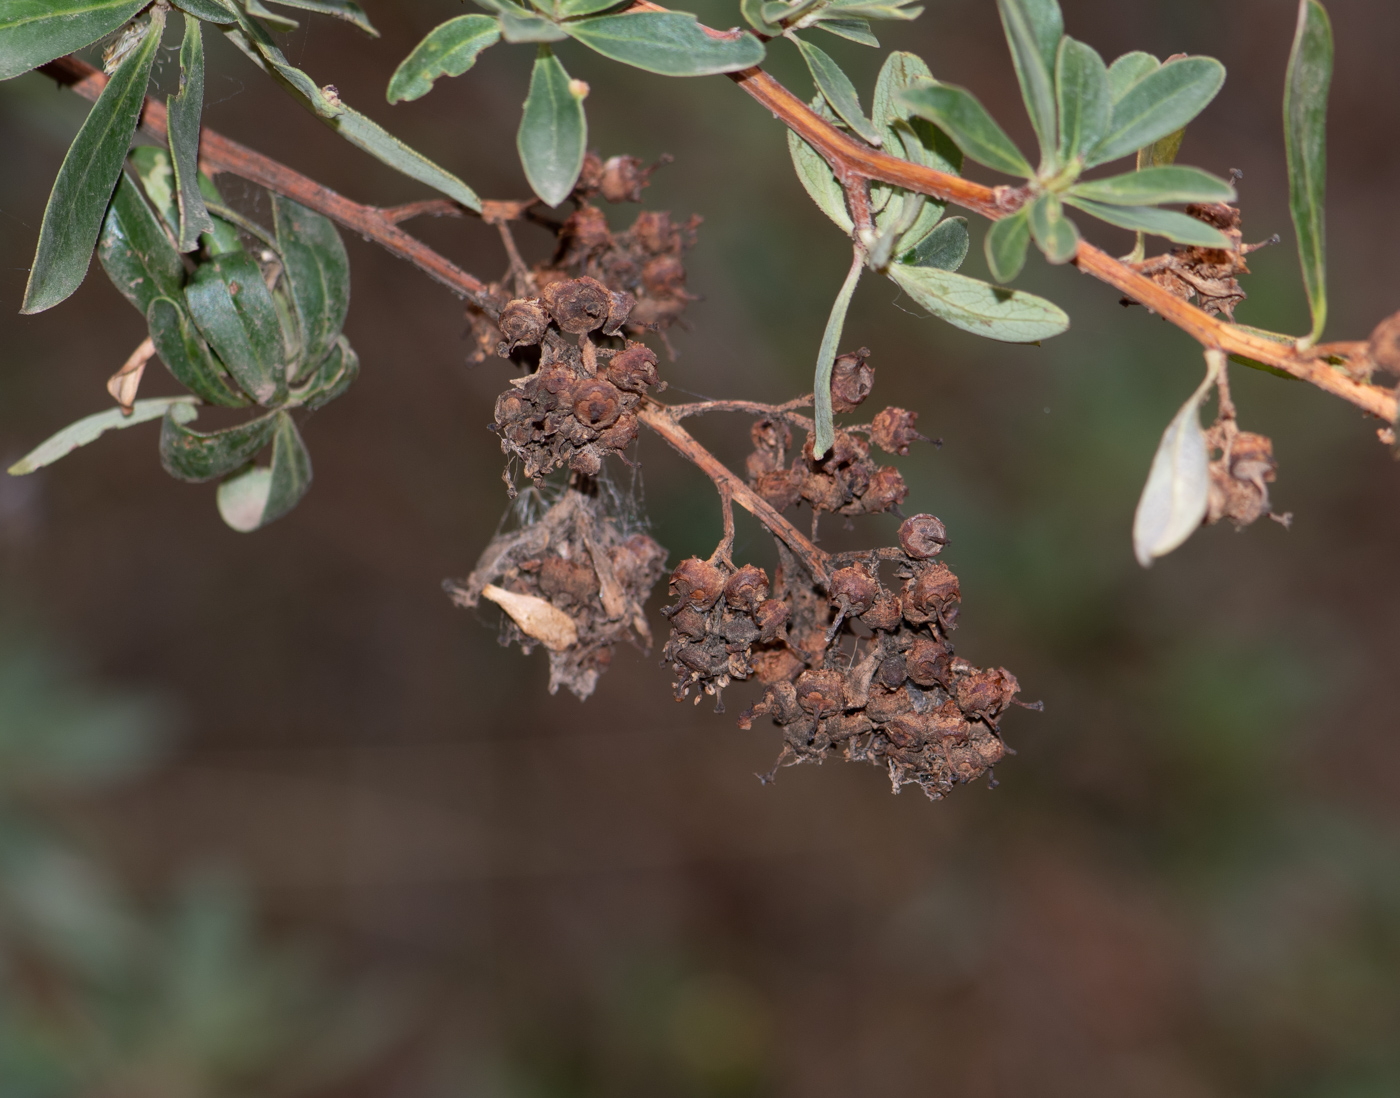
846,449
934,594
620,306
771,617
893,430
847,726
922,536
586,462
633,369
1252,458
697,583
523,322
768,434
578,305
596,403
905,730
654,232
664,276
567,579
821,691
929,662
885,613
854,589
824,493
746,588
777,665
947,721
688,621
892,672
623,179
885,705
780,488
984,694
621,434
512,407
587,229
852,378
590,179
884,490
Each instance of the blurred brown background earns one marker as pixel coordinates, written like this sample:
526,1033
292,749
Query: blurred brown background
1188,881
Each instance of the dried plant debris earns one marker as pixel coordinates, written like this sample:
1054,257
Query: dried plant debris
864,670
1209,274
574,581
1240,476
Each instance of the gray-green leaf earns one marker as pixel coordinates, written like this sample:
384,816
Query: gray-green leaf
1305,133
1162,101
450,49
211,11
318,275
977,307
945,247
1081,88
256,496
816,177
94,426
187,356
234,311
1127,71
1055,234
1153,186
34,32
134,250
838,90
347,10
1177,492
966,121
553,130
825,433
78,202
1174,226
198,456
853,30
337,372
1005,245
183,113
671,43
1033,30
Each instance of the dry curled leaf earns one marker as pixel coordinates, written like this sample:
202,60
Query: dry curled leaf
537,618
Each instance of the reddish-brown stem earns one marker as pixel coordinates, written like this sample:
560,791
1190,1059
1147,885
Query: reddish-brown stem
428,207
747,407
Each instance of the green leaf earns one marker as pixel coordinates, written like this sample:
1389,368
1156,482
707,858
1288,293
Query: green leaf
1033,30
1055,235
671,43
1177,227
34,32
572,9
518,25
958,113
1081,88
277,21
233,309
914,139
340,9
88,429
89,174
187,356
211,11
977,307
853,30
198,456
553,130
1305,134
1175,498
945,247
838,90
752,11
1006,244
863,9
256,496
225,236
317,271
183,113
450,49
157,175
825,434
1162,101
338,370
134,250
817,180
1152,186
1127,71
1162,152
787,12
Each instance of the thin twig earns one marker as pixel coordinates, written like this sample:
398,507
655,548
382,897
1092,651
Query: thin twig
519,272
724,550
428,207
746,407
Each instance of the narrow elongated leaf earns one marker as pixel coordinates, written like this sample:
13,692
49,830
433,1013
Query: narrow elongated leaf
977,307
317,272
78,202
273,19
225,236
187,356
825,433
572,9
338,370
1177,227
752,11
450,49
958,113
134,250
1162,101
1033,30
945,247
1152,186
903,10
34,32
198,456
853,30
1127,71
157,176
211,11
183,112
817,180
1081,89
1006,244
252,498
838,90
1305,133
1177,491
233,309
914,139
671,43
1053,233
92,427
346,10
553,130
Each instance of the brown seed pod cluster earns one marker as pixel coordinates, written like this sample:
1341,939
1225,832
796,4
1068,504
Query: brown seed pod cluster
845,481
865,670
1240,476
1208,274
580,404
572,581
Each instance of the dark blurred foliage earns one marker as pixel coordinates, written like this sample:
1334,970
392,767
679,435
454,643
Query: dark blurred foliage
1188,881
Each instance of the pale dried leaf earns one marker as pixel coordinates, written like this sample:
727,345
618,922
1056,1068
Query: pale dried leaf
126,381
1177,492
536,618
